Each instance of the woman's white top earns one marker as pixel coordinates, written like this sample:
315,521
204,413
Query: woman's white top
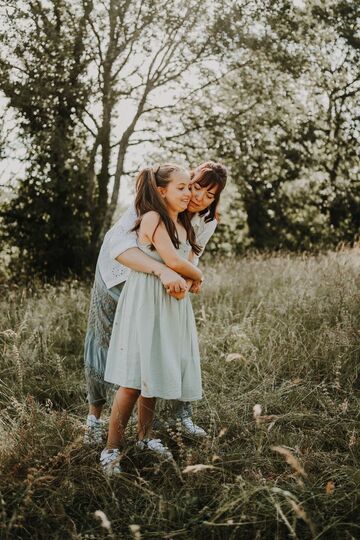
120,238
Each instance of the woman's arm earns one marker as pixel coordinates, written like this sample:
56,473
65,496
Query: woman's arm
205,232
163,245
137,260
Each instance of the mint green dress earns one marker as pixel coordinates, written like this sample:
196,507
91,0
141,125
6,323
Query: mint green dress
154,346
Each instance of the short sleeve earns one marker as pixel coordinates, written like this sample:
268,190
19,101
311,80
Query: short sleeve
203,235
121,235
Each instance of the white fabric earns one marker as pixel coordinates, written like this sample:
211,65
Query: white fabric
120,238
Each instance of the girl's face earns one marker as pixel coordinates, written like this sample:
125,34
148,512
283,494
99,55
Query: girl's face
177,193
201,196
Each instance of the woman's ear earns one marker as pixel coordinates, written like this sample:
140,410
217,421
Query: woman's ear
162,191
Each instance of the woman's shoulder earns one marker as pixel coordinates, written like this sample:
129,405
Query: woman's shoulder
207,225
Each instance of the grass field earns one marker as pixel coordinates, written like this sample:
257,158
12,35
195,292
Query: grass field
280,348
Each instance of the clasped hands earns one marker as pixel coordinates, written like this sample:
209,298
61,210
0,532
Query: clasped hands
176,286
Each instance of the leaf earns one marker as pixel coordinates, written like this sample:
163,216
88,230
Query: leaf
330,487
235,356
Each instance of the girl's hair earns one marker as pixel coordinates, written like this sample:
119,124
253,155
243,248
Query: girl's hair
210,174
148,198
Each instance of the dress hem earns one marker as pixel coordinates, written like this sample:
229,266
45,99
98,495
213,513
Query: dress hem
166,397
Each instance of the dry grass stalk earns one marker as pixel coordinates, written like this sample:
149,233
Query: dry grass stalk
301,514
190,469
291,460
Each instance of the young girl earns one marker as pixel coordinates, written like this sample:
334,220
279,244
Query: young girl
153,350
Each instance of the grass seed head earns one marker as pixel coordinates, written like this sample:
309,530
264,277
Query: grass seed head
104,522
291,460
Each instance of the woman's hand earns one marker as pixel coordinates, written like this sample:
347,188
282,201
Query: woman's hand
172,281
196,287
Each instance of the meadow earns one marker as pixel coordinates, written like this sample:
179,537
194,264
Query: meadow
279,337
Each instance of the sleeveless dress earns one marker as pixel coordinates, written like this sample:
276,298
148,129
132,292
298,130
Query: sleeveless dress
154,345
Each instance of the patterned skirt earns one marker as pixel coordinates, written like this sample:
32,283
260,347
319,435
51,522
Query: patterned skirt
100,322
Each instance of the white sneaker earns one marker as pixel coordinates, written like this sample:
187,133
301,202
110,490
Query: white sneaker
110,461
155,445
94,430
192,430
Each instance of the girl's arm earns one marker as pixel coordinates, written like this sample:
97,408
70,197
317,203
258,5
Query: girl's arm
191,285
163,245
123,248
137,260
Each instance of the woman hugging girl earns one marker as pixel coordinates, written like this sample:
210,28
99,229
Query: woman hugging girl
153,351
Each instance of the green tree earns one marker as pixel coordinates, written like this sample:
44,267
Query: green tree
43,78
69,69
285,118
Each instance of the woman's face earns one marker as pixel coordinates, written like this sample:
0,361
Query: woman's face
201,196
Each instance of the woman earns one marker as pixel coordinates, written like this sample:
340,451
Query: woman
119,253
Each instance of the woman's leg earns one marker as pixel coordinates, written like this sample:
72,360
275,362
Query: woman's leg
146,409
100,322
182,410
122,407
95,410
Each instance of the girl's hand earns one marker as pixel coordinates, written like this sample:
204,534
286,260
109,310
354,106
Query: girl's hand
180,295
172,281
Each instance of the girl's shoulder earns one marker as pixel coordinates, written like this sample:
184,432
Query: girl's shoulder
149,223
150,220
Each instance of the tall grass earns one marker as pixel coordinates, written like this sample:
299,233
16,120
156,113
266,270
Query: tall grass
280,354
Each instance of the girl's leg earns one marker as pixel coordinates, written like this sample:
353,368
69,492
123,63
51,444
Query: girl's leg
146,408
122,407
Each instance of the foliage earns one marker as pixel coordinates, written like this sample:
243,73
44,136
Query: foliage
82,77
48,219
283,336
285,119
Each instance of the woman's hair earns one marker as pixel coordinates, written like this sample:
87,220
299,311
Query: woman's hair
148,198
210,174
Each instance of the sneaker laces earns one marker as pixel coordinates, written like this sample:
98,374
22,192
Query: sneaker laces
188,423
94,430
155,444
109,456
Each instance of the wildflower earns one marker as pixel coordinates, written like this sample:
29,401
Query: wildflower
135,530
257,409
105,523
222,432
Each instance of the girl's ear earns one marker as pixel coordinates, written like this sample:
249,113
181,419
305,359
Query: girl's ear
162,191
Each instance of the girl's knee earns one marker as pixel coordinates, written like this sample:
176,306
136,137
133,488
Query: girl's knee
131,392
